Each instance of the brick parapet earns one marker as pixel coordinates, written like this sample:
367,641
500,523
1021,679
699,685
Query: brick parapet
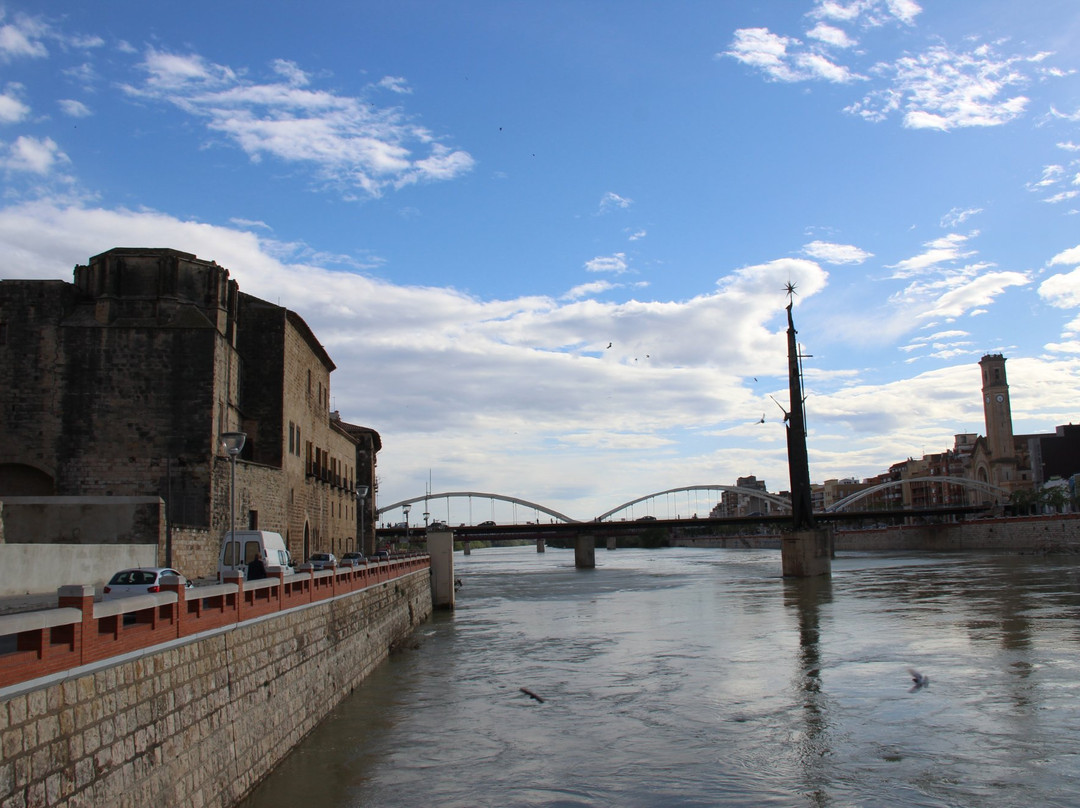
199,721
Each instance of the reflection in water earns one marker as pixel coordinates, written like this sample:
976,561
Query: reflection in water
689,677
804,597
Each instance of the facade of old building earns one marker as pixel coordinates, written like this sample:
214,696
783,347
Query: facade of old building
122,383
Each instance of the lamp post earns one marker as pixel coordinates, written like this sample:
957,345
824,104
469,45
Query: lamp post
406,511
234,444
361,495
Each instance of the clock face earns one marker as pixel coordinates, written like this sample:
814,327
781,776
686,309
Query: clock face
988,399
1000,398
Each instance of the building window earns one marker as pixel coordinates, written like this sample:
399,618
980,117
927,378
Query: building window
3,333
253,520
292,438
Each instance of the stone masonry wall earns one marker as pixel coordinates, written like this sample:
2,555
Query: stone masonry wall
199,723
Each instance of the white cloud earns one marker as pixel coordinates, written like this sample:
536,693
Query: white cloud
32,155
832,253
783,58
946,249
1062,290
612,200
958,216
608,263
830,35
12,109
21,39
589,289
638,235
869,13
348,142
945,89
74,109
1069,256
396,84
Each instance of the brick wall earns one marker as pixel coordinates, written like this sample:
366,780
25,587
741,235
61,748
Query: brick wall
199,723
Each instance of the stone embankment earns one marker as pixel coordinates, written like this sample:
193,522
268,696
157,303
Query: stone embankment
1059,533
197,719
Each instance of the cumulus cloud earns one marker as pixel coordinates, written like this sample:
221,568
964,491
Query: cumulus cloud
32,155
348,142
832,253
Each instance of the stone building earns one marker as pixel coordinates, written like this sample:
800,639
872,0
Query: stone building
122,383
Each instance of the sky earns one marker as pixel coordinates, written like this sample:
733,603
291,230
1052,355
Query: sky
546,244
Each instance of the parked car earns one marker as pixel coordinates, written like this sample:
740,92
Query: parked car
438,526
137,581
381,555
352,557
322,561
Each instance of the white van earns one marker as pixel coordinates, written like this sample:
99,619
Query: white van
241,547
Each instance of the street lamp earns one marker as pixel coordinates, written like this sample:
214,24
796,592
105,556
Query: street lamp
234,444
406,510
361,495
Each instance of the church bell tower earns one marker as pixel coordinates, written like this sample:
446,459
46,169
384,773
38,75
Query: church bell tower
996,409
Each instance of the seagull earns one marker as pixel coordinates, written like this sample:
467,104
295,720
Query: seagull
919,679
762,418
609,345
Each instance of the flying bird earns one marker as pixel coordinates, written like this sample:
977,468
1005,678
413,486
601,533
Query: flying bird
609,344
762,418
920,680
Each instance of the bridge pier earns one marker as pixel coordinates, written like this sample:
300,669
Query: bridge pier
539,545
611,542
440,546
466,548
585,552
807,553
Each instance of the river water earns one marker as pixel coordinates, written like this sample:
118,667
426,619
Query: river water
685,677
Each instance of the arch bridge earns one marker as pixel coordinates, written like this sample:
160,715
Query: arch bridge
974,485
776,499
426,498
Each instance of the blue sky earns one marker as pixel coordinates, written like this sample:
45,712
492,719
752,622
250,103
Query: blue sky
468,201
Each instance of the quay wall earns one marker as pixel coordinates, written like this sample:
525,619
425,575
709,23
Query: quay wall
199,720
1058,533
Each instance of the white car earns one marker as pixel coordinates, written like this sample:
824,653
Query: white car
137,581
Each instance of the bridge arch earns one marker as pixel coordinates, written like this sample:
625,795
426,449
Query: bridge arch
776,499
976,485
480,495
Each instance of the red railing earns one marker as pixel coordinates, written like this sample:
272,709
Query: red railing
82,631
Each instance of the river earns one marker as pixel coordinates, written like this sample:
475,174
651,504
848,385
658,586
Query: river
685,677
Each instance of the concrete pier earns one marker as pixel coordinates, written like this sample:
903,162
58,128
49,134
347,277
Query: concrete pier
540,545
440,546
611,542
585,552
807,553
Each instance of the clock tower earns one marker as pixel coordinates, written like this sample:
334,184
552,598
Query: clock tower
996,409
1003,461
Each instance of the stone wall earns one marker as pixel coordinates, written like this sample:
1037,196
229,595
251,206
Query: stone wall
1059,533
198,722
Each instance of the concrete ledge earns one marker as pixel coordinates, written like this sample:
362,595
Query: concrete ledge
34,621
108,608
